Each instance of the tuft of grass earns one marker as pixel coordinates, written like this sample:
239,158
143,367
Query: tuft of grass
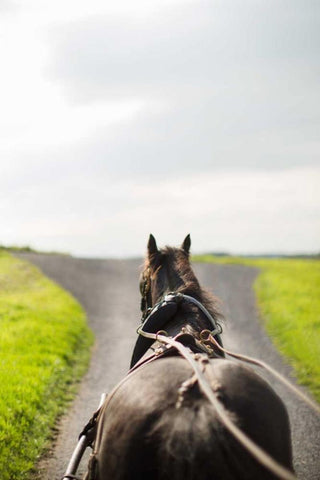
288,293
45,348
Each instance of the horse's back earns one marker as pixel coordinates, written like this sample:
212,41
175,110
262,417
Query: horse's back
159,425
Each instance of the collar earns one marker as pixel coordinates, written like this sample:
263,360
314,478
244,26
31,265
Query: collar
160,314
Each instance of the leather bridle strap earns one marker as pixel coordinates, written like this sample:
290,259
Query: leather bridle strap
258,453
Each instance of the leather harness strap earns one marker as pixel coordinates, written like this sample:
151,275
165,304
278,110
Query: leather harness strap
160,315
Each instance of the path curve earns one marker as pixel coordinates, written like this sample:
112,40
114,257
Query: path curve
108,290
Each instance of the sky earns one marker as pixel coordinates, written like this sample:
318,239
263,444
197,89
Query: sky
120,119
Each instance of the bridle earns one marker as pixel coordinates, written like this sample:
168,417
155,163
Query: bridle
155,317
145,290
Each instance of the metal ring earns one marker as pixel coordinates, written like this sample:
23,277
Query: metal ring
161,332
204,335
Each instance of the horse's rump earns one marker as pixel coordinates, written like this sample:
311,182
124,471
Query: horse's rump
153,428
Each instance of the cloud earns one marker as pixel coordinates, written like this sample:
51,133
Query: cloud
156,89
258,212
229,80
119,118
203,42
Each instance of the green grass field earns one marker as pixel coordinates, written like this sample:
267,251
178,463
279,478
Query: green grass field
45,348
288,293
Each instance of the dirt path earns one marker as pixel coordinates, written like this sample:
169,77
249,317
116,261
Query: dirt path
108,290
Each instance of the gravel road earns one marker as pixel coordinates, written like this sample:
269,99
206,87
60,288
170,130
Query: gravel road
108,290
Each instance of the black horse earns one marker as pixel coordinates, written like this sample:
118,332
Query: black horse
157,423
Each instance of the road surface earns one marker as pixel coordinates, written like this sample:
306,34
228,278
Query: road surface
108,290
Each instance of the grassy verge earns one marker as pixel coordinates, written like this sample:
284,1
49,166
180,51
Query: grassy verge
44,344
288,293
27,249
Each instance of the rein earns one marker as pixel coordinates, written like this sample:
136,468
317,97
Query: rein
151,331
258,453
212,338
208,337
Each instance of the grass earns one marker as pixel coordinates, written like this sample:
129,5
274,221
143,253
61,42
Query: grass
27,249
45,348
288,293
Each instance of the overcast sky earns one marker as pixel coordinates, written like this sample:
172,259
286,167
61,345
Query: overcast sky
118,119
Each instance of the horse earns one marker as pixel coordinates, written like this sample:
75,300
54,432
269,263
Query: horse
157,423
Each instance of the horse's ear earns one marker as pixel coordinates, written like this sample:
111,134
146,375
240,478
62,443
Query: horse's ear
186,244
152,245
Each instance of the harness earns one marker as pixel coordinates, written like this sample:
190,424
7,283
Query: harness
197,354
160,315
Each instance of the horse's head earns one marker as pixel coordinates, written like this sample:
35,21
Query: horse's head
189,309
166,270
